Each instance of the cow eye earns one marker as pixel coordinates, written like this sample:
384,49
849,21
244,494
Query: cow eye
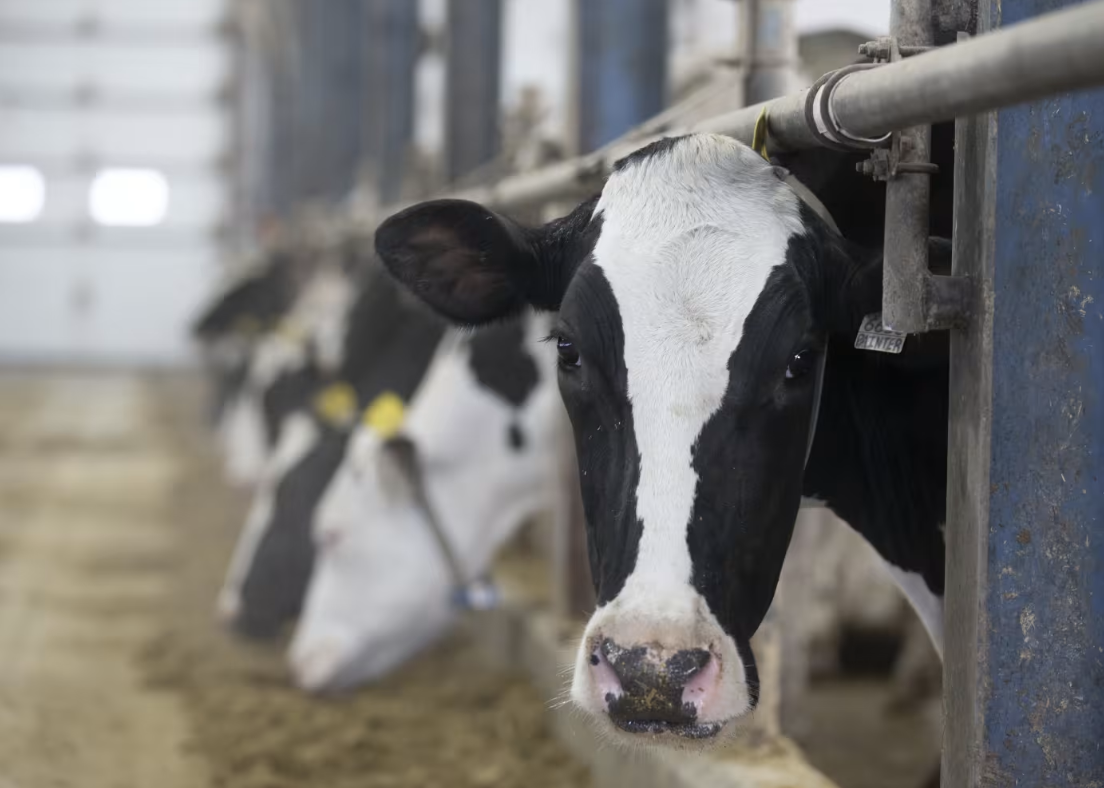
568,355
800,364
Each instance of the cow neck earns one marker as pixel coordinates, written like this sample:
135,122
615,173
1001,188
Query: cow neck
878,459
478,593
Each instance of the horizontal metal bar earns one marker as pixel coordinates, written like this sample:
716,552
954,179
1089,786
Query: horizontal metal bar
1049,54
1058,52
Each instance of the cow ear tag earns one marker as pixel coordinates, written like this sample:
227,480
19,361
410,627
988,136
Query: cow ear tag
292,331
385,415
336,404
873,335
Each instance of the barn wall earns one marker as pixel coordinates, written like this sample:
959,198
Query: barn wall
88,87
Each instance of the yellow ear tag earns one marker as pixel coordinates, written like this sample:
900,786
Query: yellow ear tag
336,404
759,136
385,415
292,331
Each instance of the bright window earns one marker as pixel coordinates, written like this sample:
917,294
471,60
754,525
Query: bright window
22,193
129,197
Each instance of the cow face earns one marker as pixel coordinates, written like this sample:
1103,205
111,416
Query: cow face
688,344
382,587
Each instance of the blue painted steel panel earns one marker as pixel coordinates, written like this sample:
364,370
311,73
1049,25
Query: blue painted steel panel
392,55
1041,674
622,66
472,135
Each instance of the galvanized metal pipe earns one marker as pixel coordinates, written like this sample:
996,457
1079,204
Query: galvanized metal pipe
1050,54
908,194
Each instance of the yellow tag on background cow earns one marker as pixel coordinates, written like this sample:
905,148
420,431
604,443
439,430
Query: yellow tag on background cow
336,404
292,331
385,415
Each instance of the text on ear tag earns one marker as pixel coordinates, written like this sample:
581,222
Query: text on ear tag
873,335
385,415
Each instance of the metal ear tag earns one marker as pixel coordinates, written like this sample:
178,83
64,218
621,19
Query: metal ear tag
479,594
873,335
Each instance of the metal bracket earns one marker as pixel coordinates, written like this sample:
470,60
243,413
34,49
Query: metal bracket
881,49
913,299
885,164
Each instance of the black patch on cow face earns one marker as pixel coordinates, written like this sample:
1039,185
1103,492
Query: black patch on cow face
515,438
273,590
290,392
501,362
389,342
596,397
749,460
657,148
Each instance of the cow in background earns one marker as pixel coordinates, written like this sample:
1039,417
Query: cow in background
418,510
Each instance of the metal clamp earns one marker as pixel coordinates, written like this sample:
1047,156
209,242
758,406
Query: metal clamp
822,120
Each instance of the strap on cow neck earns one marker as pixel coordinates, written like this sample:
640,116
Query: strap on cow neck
759,145
477,594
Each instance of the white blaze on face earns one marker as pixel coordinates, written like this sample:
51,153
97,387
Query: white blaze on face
243,441
299,436
323,310
381,588
688,240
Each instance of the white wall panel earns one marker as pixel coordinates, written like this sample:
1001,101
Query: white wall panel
114,305
179,17
91,84
196,71
113,138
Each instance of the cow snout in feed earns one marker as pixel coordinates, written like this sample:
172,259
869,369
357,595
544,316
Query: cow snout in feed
646,691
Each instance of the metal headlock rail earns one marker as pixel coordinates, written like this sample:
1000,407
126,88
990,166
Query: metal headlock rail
908,87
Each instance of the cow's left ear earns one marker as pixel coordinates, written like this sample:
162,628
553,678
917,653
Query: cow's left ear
467,262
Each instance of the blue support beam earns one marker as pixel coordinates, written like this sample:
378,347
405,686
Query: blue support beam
392,55
622,68
328,93
473,74
1024,664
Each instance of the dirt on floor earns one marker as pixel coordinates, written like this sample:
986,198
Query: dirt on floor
115,529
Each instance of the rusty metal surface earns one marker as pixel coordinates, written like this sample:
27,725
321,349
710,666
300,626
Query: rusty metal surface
1025,665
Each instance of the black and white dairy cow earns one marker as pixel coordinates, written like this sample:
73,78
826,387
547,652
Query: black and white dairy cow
284,366
388,343
417,512
228,327
706,327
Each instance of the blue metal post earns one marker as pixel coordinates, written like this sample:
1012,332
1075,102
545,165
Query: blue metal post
622,68
472,134
1024,664
328,95
389,104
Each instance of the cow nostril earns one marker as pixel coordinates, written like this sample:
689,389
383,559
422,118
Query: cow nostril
658,693
594,660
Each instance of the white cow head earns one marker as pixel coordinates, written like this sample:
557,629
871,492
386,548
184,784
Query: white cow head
481,423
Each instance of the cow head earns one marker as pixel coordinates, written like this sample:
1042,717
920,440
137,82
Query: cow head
695,295
382,588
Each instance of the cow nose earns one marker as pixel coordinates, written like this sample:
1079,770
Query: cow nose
317,666
646,692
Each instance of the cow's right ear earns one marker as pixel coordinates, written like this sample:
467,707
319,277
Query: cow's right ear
468,263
